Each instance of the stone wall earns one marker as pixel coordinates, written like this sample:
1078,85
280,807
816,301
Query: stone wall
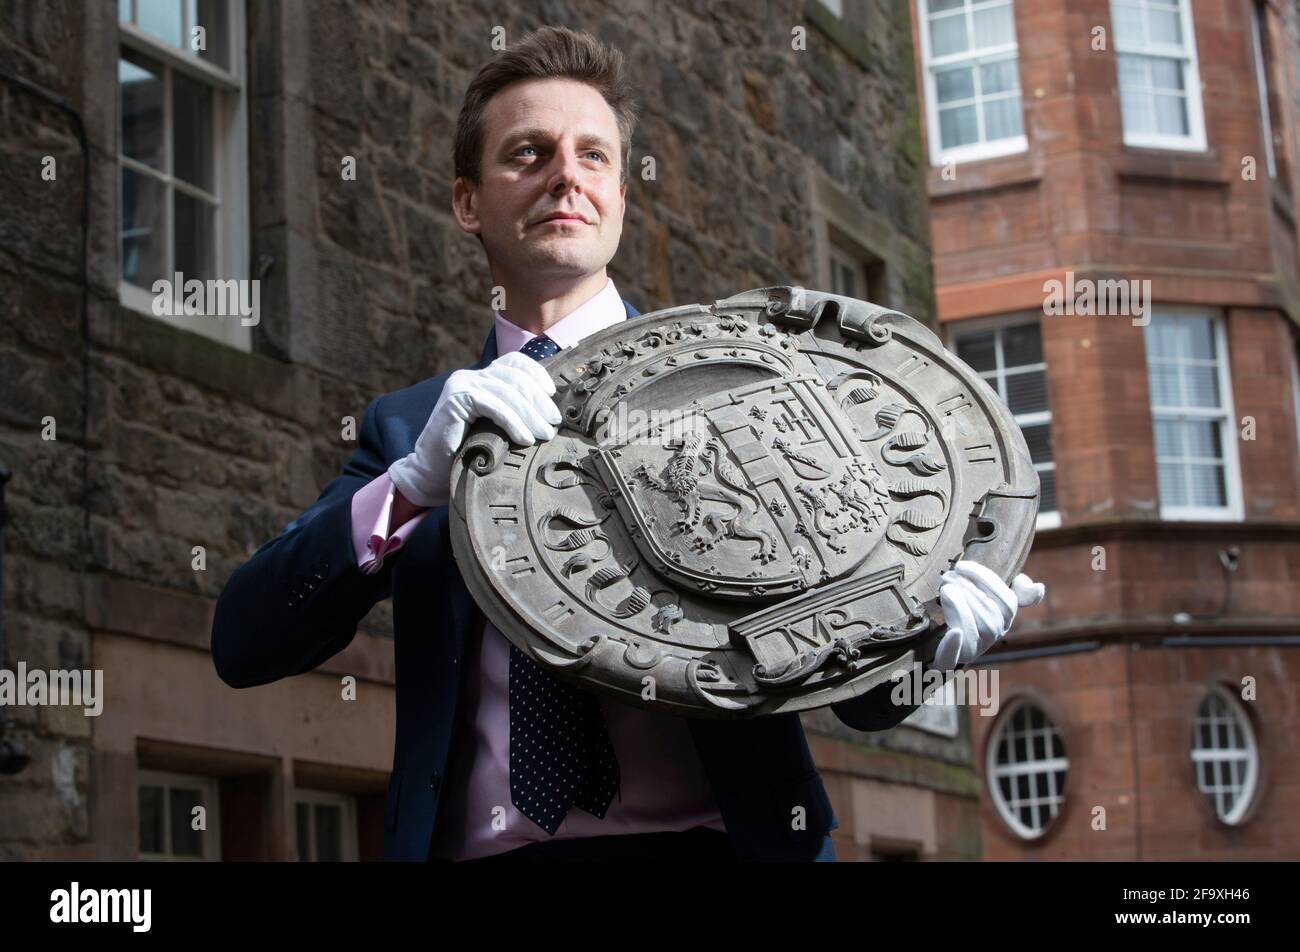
167,440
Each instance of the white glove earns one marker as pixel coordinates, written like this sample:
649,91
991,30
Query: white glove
979,608
514,391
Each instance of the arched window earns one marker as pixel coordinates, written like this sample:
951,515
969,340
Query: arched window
1026,770
1225,755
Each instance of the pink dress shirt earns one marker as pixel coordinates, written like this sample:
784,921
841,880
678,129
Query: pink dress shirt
663,785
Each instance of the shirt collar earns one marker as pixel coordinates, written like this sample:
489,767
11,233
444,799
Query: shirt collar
603,310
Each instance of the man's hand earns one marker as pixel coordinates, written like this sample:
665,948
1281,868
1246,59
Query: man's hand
979,608
514,391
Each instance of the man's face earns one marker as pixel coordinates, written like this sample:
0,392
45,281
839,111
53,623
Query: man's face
550,146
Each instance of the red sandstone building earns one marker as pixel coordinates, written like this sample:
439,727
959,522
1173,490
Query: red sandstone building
1149,706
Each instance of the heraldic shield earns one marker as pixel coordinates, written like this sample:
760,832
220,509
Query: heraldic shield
748,506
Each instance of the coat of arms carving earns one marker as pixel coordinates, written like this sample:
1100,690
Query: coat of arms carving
748,507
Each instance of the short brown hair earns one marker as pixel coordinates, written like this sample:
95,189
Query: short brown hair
547,52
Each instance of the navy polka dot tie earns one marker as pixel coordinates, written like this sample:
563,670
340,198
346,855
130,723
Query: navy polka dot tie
539,348
560,752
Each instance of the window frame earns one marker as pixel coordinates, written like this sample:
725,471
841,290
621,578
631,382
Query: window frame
211,838
348,849
231,224
1250,781
976,151
1047,519
1233,509
846,260
1195,140
994,771
1261,81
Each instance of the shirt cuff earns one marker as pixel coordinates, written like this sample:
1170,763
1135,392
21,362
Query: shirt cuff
372,507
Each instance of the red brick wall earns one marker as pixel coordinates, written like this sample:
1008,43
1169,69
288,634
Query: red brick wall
1125,714
1079,200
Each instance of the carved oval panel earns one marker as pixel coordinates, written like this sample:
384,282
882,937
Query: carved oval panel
748,507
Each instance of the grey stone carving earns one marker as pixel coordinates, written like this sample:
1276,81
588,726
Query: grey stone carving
748,507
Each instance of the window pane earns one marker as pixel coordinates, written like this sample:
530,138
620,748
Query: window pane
1027,392
948,34
938,6
1166,73
124,10
1201,439
1171,115
1164,384
329,833
994,26
1002,119
1126,20
162,18
842,280
1047,494
978,351
958,126
186,841
1132,73
1022,344
1169,439
999,77
211,15
1198,338
144,242
1039,440
141,84
1172,486
151,820
1162,337
192,131
1202,381
194,237
303,822
1137,112
951,84
1207,485
1165,27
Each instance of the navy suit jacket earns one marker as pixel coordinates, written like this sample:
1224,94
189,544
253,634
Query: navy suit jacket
298,599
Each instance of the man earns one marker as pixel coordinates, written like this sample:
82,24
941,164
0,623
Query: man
495,759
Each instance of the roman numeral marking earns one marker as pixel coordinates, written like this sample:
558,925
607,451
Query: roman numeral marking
980,453
558,612
504,513
912,366
520,565
954,402
515,458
